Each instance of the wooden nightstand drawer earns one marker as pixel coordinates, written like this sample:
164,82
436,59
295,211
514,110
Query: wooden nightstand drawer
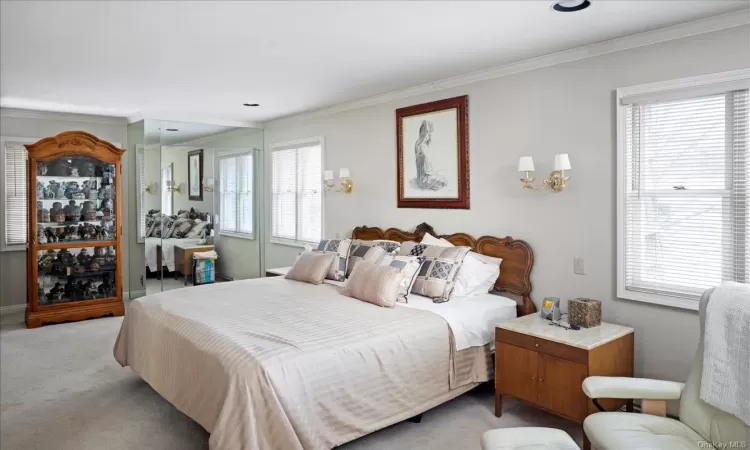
541,345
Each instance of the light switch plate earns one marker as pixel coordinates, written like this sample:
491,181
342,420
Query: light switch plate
578,267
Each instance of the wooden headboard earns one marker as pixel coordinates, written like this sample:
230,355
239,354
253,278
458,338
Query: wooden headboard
517,255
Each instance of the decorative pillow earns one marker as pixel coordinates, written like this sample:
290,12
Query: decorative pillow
182,227
476,276
310,267
374,284
436,277
340,249
409,266
167,226
363,252
429,239
390,247
156,228
196,230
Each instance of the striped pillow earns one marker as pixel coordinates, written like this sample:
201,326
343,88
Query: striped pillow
363,252
310,267
374,284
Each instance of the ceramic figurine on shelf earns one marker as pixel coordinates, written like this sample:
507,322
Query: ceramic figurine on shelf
108,174
86,169
42,215
86,188
83,256
89,289
105,192
88,210
41,168
99,256
106,288
55,294
109,256
70,188
56,213
72,212
73,171
60,190
47,193
40,190
40,235
70,289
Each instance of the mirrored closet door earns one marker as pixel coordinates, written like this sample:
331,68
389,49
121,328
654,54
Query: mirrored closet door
200,211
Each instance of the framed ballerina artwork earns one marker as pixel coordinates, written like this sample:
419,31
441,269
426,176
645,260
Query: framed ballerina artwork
432,141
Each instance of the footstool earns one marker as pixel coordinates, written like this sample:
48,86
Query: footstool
531,438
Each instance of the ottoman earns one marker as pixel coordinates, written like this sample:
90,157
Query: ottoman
531,438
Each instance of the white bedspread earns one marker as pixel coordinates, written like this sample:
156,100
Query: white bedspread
167,251
271,363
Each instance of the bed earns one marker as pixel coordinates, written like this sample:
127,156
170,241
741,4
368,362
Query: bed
275,364
159,252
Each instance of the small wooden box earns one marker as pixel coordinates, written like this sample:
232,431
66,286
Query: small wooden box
585,312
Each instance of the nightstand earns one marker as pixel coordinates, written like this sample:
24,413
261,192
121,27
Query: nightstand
278,272
544,365
183,258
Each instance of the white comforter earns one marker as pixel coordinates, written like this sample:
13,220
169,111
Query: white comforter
277,364
167,251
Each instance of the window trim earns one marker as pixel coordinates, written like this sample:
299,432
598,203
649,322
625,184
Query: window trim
140,155
698,82
217,190
4,247
287,145
166,192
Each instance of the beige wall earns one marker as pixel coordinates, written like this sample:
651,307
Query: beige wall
568,108
13,263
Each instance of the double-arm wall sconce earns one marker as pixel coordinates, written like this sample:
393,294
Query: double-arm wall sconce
557,181
151,188
345,182
174,187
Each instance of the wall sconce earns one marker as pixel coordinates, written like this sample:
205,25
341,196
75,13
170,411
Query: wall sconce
151,188
208,185
173,187
345,181
557,181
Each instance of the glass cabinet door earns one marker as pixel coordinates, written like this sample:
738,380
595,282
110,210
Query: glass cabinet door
76,274
75,200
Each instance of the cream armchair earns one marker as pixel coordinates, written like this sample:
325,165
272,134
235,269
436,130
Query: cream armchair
699,427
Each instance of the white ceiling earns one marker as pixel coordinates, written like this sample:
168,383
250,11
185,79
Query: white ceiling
199,61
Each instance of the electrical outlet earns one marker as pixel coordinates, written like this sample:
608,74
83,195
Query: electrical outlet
141,280
578,268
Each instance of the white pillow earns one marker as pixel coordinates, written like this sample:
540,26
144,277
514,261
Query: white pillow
477,275
429,239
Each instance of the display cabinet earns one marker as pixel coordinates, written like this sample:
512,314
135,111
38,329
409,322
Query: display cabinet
75,229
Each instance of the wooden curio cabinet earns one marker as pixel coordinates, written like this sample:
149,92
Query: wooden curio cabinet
74,252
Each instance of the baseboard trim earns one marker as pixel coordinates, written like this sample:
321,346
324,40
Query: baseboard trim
12,309
133,294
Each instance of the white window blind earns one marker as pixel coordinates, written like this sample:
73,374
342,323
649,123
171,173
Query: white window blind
687,198
167,196
15,214
297,198
141,157
236,193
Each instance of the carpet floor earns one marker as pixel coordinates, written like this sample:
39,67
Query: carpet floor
61,389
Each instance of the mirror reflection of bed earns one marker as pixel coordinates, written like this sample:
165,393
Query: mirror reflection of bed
179,173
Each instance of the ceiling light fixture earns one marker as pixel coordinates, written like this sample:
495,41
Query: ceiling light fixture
571,5
250,104
172,129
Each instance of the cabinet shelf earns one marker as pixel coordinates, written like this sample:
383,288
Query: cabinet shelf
76,244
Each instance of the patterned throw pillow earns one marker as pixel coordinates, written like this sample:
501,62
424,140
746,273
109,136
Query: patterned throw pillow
409,266
340,249
437,275
167,226
197,228
156,230
390,247
182,227
363,252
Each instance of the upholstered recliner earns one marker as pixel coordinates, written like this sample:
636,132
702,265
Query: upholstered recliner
700,424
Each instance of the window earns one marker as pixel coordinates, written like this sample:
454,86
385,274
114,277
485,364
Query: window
297,197
236,194
15,215
684,220
167,195
141,163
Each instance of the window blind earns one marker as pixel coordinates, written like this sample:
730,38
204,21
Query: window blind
16,216
687,202
236,193
297,198
142,191
167,196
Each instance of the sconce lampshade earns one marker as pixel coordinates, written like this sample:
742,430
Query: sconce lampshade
328,175
562,162
209,182
344,173
526,164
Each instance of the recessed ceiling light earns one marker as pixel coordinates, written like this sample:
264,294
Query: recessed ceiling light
250,104
571,5
172,129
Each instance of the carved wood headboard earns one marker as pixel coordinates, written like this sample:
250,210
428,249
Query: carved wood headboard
517,255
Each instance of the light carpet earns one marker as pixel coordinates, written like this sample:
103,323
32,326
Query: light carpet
61,389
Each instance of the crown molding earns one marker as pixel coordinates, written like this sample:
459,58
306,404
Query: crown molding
208,138
193,118
53,115
682,30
